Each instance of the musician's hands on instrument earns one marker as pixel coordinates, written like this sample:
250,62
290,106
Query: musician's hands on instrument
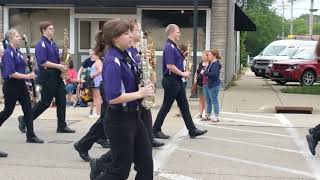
186,74
31,75
147,90
63,67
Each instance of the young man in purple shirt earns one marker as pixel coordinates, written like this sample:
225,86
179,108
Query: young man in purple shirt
173,72
13,68
48,60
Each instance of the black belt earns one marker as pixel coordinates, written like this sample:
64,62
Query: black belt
123,108
173,75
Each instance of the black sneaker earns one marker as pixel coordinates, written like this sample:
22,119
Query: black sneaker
35,139
3,154
156,143
65,130
311,131
22,124
105,143
94,172
312,144
83,154
197,132
160,135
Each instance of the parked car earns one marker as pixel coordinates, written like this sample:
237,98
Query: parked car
277,51
304,67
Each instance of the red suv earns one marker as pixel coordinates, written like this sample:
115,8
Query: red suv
304,67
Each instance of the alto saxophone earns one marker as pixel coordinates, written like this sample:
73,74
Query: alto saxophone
65,56
153,64
145,67
188,60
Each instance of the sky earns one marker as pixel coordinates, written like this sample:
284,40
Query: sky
300,7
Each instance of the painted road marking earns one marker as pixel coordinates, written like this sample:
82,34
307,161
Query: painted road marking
278,168
313,163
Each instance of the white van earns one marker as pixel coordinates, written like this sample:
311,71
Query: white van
278,51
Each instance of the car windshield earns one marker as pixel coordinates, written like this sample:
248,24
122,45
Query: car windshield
306,54
273,50
288,52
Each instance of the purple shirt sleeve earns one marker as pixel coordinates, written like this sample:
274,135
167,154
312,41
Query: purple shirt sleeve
112,76
41,53
8,64
169,54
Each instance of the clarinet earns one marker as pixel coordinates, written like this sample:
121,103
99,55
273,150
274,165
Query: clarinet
34,93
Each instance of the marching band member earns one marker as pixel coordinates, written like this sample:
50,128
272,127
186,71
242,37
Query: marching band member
173,71
127,133
47,54
14,87
133,52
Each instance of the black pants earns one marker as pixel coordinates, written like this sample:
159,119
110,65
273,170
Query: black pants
16,90
173,90
52,86
316,134
129,144
96,131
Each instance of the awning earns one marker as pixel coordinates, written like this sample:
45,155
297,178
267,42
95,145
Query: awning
242,21
108,3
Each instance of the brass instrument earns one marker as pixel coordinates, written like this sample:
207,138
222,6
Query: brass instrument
153,64
65,56
145,67
188,59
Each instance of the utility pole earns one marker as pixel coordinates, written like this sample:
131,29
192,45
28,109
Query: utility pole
282,34
291,20
311,18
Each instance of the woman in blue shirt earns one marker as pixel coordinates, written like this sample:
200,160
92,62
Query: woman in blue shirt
214,83
14,88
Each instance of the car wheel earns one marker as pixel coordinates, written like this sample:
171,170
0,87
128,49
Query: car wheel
281,82
308,78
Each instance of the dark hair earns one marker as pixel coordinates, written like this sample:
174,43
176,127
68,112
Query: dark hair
71,65
110,30
44,25
317,51
100,45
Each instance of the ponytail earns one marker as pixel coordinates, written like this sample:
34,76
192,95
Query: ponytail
100,45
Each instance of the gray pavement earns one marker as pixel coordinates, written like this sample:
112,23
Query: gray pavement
250,141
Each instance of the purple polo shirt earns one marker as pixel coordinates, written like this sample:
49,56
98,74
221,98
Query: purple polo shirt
117,76
134,54
12,61
171,55
46,50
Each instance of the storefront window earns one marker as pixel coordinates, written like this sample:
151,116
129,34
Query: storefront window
154,22
85,34
26,21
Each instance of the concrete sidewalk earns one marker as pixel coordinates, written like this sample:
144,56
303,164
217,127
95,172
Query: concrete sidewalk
256,95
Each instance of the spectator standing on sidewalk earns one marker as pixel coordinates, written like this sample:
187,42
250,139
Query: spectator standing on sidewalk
213,84
198,80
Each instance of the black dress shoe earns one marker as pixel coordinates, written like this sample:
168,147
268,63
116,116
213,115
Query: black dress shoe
82,153
311,131
94,172
156,143
197,132
312,143
65,130
104,143
160,135
3,154
22,124
34,139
